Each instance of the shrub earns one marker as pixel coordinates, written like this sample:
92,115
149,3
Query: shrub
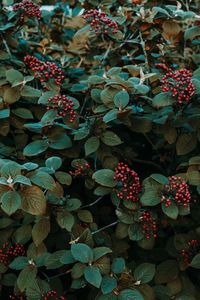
99,150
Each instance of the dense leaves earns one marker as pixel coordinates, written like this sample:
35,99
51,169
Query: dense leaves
99,150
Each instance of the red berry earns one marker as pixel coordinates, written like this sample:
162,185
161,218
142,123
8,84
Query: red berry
100,22
176,191
27,8
44,71
128,183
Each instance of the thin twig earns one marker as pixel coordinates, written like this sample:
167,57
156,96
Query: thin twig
151,163
144,50
6,45
56,276
93,203
105,227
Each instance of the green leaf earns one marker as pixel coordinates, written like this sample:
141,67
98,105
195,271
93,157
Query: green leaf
101,251
53,261
26,277
162,100
151,195
10,169
171,211
191,32
160,178
108,284
144,272
23,234
121,99
91,145
186,143
40,231
4,113
135,232
61,141
63,178
118,265
29,91
11,202
65,220
195,263
109,138
54,162
104,177
67,258
19,263
12,75
78,270
85,216
82,252
23,113
43,180
166,271
22,179
130,295
45,97
35,148
93,276
110,116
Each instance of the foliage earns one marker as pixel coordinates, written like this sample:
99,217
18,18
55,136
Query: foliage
99,150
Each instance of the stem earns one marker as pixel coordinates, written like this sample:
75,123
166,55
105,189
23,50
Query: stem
93,203
6,45
105,227
150,142
107,52
144,50
56,276
151,163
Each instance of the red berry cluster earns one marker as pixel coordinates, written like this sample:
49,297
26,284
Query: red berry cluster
190,251
28,9
176,191
63,106
128,182
81,170
44,70
52,295
149,227
179,83
15,296
100,22
8,252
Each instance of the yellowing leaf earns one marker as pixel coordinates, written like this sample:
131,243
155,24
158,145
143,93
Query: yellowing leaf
33,200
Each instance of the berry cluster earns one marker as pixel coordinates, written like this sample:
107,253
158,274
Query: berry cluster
176,191
28,9
149,227
128,183
190,251
81,170
15,296
179,83
100,22
52,295
44,71
8,252
63,106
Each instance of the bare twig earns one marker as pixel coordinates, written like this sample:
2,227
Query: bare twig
93,203
105,227
6,45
